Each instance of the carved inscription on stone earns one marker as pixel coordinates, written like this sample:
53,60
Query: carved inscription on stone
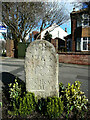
41,68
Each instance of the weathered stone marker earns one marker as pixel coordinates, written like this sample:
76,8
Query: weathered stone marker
41,68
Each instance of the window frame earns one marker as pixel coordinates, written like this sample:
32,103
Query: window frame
87,42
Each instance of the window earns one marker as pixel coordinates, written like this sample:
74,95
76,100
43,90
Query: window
89,43
85,43
89,38
78,44
85,16
84,38
69,44
85,20
79,23
79,20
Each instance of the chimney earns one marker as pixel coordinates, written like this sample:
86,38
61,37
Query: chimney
65,29
73,9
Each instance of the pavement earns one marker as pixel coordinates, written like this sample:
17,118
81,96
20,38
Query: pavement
11,68
68,73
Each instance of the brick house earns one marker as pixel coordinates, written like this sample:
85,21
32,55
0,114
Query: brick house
79,39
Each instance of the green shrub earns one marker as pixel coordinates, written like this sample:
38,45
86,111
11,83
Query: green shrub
27,104
0,104
74,99
21,105
51,107
14,90
4,54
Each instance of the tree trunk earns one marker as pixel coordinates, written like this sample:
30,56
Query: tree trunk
15,49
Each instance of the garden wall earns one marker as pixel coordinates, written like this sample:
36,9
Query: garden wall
10,48
82,58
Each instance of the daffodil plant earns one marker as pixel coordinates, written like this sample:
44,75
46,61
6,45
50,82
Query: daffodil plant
74,99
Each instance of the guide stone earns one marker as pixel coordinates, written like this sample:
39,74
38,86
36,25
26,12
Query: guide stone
41,68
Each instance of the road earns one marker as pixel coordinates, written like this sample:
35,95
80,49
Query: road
11,67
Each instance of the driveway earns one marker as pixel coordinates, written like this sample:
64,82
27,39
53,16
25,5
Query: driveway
11,67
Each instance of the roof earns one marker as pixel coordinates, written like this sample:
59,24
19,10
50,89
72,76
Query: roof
50,26
68,36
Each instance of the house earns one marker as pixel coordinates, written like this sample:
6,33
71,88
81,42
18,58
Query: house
58,35
56,32
79,39
68,42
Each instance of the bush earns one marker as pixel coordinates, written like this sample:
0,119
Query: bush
4,53
71,101
20,105
14,90
0,104
47,36
27,104
23,104
52,107
74,99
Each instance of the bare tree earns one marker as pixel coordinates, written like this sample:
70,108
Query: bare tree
22,17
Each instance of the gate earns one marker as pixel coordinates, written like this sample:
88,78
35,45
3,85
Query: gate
22,46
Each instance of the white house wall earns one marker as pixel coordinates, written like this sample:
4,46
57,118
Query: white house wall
55,31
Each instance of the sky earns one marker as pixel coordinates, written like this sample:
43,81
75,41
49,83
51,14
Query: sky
67,25
69,7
